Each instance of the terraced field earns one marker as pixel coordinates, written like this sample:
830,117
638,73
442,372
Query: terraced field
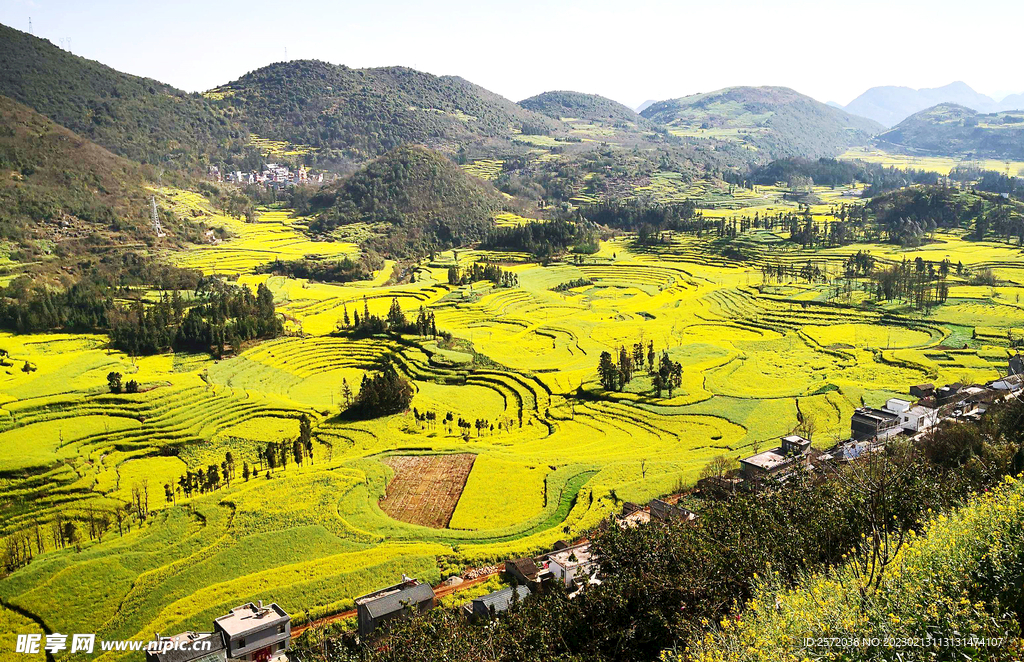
556,454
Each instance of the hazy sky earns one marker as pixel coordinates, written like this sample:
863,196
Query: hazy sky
629,50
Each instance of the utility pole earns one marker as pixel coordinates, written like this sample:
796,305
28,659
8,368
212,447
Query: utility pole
30,26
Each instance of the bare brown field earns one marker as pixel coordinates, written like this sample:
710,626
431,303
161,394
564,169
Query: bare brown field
426,488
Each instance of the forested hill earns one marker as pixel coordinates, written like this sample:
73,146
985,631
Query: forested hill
951,130
139,118
62,195
777,122
414,200
592,107
363,113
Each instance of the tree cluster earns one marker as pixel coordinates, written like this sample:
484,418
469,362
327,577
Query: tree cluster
482,271
387,392
666,374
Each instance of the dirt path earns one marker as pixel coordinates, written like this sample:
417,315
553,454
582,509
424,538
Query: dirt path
438,593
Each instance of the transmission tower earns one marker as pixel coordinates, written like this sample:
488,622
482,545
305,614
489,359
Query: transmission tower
30,26
156,219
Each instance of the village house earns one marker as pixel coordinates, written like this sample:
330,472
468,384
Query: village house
1017,364
254,632
868,424
573,566
913,418
721,486
402,600
526,571
490,605
922,390
633,515
779,463
189,647
1009,384
250,632
949,394
664,511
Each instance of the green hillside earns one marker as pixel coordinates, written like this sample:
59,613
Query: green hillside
413,199
775,121
63,195
363,113
139,118
952,130
577,105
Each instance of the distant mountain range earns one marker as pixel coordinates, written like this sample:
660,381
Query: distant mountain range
890,105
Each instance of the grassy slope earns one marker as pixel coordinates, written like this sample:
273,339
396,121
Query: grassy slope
418,195
61,191
952,130
140,118
774,120
559,104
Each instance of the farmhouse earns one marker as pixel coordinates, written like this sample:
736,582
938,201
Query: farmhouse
633,515
255,633
913,418
779,462
874,424
922,390
573,565
402,600
948,394
250,632
1017,365
492,604
188,647
524,570
1007,385
664,511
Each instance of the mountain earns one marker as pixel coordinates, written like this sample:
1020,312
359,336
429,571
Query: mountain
363,113
139,118
775,121
577,105
645,105
61,194
891,105
1012,102
951,130
412,200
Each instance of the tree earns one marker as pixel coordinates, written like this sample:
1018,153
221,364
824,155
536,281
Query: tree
131,387
396,318
346,393
607,372
806,427
716,468
114,382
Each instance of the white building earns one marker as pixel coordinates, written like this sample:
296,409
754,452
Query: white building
573,564
913,419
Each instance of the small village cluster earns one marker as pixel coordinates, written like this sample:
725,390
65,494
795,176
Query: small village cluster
273,175
254,633
871,429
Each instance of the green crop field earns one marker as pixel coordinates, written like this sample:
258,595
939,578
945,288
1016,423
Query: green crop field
557,453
